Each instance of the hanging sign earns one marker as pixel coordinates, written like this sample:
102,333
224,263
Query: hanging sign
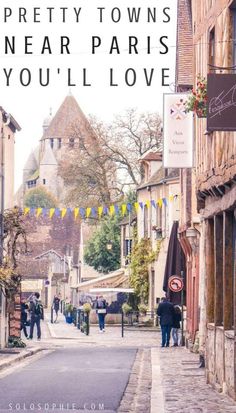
175,284
221,102
178,132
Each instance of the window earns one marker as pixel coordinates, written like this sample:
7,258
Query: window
31,184
71,142
51,142
44,181
59,143
212,47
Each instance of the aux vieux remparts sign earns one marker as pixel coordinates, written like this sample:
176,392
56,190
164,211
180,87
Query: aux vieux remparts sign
221,103
178,132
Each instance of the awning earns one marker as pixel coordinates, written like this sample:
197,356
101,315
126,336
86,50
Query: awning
116,279
111,290
175,264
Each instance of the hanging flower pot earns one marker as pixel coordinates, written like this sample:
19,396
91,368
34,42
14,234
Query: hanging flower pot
197,100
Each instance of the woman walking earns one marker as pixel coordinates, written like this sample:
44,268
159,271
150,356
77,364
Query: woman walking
176,325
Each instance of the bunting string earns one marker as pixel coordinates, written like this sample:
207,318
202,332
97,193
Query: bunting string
92,212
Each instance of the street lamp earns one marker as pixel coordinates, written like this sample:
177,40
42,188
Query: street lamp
109,246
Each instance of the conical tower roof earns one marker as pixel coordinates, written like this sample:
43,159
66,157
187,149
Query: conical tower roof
31,163
48,156
67,119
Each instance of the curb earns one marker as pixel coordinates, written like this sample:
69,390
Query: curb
20,357
157,396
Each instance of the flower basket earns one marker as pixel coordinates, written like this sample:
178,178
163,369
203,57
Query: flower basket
197,101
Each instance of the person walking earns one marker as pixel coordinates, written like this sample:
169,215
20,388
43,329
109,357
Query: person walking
176,325
36,315
24,307
165,311
56,305
101,307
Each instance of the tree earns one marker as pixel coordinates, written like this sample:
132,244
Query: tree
106,158
40,198
97,253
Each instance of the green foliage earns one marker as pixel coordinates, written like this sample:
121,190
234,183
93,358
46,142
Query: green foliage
96,253
142,308
40,198
15,342
87,307
141,256
197,101
126,308
68,309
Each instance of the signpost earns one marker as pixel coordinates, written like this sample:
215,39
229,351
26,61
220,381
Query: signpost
176,284
221,103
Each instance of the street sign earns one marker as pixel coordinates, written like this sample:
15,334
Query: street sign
175,284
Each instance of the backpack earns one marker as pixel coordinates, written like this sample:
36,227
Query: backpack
38,309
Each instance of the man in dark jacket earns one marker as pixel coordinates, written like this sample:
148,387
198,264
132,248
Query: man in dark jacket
36,315
166,313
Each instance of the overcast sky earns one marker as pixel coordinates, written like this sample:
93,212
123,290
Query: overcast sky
31,104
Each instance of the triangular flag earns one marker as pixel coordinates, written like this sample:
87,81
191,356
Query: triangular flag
94,214
105,210
26,211
32,211
100,211
123,209
117,209
175,197
164,201
76,212
57,212
159,202
51,213
112,210
63,212
136,206
153,203
45,212
171,198
141,205
88,212
39,211
148,203
129,207
82,212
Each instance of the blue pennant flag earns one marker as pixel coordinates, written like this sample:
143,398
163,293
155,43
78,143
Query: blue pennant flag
32,211
141,204
57,212
117,209
153,203
164,201
44,212
129,207
94,212
105,210
82,212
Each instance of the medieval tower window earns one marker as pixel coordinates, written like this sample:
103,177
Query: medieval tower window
71,142
212,47
44,181
58,143
51,142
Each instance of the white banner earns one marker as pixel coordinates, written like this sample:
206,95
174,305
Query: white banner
178,132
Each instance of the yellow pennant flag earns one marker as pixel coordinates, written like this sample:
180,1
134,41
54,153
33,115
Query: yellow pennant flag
63,212
160,202
51,213
26,211
123,208
76,212
136,206
100,211
39,212
171,198
148,203
112,210
88,212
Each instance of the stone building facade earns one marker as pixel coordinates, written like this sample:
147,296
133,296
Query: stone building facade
159,196
214,24
8,128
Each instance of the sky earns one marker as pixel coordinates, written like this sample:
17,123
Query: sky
102,23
